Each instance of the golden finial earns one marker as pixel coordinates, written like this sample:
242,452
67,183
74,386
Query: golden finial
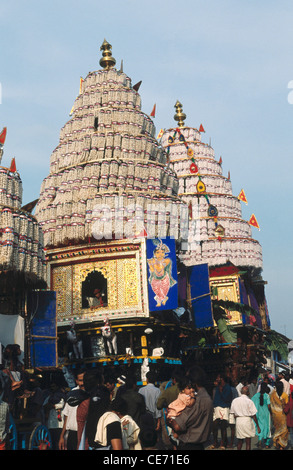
107,61
179,116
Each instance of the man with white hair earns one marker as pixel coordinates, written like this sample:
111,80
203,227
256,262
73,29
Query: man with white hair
244,411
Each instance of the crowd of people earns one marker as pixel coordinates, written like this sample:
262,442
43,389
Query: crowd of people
262,408
98,411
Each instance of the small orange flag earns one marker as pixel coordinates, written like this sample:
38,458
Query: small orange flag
253,221
3,136
160,134
12,166
242,196
153,113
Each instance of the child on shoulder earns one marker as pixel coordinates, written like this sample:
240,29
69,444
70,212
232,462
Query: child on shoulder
186,398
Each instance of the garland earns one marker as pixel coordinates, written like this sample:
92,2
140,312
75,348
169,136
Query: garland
201,187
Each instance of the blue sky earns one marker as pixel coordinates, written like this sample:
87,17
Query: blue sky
229,63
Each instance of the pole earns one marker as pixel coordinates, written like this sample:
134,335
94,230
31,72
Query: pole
27,344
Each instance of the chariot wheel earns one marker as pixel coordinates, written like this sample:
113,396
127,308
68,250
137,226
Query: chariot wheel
40,439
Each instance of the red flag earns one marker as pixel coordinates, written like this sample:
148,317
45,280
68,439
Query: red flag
12,166
3,136
242,196
220,161
253,221
153,113
201,129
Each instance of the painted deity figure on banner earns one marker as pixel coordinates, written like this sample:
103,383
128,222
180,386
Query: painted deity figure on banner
160,266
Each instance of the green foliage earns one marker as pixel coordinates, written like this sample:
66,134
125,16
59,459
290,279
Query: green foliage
229,305
275,342
220,317
202,342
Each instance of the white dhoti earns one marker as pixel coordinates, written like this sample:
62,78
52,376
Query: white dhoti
231,418
221,413
244,427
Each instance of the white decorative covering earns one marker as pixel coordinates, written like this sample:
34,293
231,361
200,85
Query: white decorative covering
107,156
21,238
205,245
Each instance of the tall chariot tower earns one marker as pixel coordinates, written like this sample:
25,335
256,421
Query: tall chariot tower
108,190
221,259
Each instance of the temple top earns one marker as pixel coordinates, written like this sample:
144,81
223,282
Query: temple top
107,61
179,116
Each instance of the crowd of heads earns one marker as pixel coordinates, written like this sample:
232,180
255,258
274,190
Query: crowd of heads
90,378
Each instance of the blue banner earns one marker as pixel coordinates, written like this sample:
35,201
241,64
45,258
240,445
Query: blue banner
43,328
200,296
162,274
243,299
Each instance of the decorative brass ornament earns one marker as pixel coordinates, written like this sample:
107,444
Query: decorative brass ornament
212,211
179,116
220,231
107,61
193,168
201,188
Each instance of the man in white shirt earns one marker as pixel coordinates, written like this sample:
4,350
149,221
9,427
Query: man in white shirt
244,411
282,376
68,437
